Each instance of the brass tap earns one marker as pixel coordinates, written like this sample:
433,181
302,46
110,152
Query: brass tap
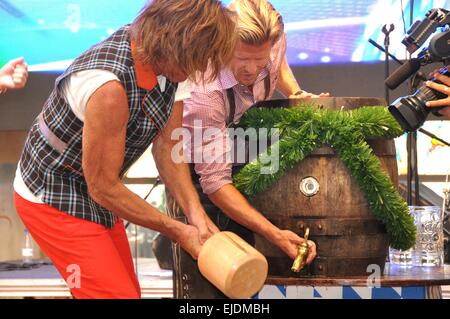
302,254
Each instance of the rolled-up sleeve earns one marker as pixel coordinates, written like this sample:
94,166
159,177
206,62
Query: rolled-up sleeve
204,116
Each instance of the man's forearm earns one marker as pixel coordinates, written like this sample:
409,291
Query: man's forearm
287,83
115,197
124,203
236,206
177,178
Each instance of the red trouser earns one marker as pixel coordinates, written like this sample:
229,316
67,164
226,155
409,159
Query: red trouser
95,261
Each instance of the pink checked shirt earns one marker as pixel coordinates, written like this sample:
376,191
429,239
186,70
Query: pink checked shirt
208,107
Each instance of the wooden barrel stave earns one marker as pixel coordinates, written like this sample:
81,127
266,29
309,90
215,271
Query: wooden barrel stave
347,234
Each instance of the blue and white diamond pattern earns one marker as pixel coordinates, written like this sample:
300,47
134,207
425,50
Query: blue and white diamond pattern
346,292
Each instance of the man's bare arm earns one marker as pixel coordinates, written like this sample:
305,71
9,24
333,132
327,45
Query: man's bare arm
104,137
176,175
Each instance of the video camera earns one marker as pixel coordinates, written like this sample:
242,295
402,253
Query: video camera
410,111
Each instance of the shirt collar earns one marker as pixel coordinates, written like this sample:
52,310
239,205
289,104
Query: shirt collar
145,76
227,78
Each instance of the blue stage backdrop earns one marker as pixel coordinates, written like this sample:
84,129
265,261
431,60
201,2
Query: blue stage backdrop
50,33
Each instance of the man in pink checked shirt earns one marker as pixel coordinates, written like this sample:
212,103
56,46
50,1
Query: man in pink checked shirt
258,68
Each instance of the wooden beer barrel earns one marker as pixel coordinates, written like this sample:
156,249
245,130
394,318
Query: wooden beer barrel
320,194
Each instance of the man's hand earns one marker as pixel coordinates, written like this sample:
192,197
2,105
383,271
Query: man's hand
203,223
189,240
305,94
288,242
236,206
287,83
14,74
443,88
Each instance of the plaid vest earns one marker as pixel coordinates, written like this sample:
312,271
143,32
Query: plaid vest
57,173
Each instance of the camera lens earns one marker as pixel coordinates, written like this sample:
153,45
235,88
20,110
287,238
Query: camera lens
410,111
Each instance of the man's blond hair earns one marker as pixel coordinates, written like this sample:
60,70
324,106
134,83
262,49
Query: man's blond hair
188,33
258,21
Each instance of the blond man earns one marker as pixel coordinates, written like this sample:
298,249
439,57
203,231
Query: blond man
106,109
257,69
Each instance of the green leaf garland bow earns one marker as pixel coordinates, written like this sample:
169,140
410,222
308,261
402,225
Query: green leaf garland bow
305,128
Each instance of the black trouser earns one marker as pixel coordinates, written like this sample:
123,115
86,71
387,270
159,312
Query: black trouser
188,282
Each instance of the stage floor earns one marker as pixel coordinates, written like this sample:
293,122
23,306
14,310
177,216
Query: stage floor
45,282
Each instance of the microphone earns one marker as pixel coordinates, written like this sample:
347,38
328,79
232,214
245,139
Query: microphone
402,73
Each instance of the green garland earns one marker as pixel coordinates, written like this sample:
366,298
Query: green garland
305,128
